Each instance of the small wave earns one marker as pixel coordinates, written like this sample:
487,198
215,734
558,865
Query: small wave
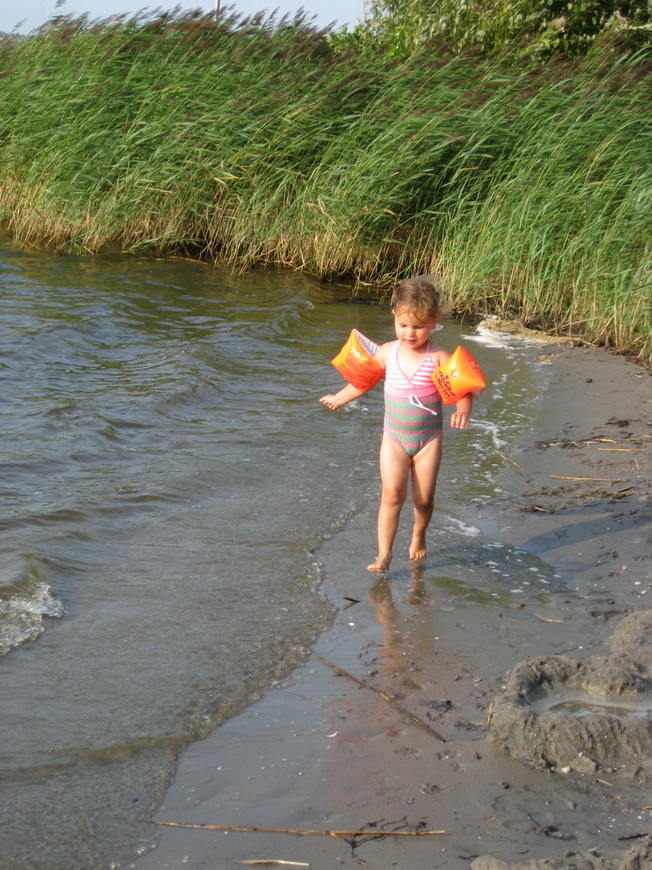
22,614
493,429
463,528
510,336
492,338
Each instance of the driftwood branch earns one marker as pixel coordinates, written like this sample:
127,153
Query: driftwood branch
511,461
254,830
391,701
596,479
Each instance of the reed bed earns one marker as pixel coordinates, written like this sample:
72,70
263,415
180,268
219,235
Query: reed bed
529,192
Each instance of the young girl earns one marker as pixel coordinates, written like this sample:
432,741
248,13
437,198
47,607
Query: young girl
412,437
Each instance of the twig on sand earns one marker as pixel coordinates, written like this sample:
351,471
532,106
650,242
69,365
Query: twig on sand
596,479
391,701
272,862
511,461
253,830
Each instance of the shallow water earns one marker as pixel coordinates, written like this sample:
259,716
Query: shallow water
167,480
586,704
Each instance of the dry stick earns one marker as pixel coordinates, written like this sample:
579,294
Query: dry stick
272,862
251,830
596,479
402,710
507,459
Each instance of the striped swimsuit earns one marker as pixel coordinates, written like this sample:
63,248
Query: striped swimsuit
412,405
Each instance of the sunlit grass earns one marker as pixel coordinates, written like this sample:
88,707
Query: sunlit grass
528,193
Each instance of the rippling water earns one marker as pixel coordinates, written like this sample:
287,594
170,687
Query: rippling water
167,477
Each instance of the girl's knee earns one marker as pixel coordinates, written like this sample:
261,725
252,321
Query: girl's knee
423,504
393,496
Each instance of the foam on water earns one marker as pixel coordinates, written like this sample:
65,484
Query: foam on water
26,601
489,337
22,617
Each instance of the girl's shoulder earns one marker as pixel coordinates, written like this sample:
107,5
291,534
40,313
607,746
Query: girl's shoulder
438,355
384,351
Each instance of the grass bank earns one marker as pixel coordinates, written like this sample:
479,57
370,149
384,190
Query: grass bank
528,191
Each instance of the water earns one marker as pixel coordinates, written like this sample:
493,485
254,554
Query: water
578,703
167,477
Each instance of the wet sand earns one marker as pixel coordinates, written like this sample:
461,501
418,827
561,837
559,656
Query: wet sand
323,753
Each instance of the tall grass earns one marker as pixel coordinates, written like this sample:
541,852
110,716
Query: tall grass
529,193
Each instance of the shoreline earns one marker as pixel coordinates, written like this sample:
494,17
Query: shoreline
322,752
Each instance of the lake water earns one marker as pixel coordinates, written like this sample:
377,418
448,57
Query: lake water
168,477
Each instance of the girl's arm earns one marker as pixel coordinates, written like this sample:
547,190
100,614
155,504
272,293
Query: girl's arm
346,394
462,414
349,392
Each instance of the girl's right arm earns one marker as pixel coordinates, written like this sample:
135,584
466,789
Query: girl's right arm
349,392
346,394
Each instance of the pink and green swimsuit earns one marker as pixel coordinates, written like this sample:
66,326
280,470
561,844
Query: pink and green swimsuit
412,405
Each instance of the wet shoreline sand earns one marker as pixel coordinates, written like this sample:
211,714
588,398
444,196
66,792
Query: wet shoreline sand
323,753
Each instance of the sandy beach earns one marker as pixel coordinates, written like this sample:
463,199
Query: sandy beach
410,751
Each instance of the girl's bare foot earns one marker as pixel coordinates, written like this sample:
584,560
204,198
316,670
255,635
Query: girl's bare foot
418,548
381,565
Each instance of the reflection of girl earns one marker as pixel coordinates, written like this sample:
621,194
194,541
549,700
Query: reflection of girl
413,422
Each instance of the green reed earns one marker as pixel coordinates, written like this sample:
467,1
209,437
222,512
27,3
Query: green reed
528,192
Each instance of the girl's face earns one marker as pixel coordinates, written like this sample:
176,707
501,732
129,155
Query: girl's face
411,328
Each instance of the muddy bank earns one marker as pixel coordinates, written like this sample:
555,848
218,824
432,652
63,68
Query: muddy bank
636,857
584,716
325,753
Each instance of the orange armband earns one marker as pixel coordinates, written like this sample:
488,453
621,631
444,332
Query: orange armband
356,362
459,376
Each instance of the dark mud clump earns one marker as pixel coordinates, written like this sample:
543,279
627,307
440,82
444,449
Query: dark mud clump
637,857
565,715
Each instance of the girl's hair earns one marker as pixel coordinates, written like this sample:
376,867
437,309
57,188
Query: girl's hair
420,295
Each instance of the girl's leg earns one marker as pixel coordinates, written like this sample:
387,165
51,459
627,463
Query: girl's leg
394,472
425,468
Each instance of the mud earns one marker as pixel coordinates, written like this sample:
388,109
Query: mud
637,857
584,716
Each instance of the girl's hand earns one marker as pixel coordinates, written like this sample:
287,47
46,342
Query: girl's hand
331,402
460,420
461,416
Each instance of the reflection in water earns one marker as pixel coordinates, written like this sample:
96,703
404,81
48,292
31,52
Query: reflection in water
402,646
380,596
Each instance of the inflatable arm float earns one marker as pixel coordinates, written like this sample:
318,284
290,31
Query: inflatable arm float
459,376
356,362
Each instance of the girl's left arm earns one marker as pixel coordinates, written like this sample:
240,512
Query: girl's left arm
461,416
